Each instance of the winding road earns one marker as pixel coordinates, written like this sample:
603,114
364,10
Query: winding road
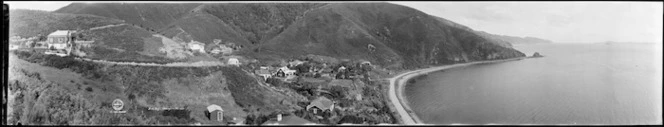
176,64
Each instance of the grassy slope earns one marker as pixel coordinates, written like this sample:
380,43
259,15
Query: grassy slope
125,43
404,37
204,28
152,16
28,23
122,43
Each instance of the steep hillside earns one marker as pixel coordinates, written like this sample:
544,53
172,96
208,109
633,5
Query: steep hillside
486,36
388,34
243,24
258,22
402,37
28,23
151,16
113,39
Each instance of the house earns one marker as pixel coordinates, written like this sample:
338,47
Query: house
364,62
233,61
287,120
222,49
216,41
286,71
60,39
196,46
295,63
263,73
321,103
215,113
341,69
225,49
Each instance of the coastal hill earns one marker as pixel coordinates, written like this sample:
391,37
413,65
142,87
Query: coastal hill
387,34
28,23
515,40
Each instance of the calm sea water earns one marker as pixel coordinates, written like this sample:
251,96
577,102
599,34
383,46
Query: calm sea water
572,84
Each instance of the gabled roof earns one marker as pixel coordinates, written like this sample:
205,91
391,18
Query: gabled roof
61,33
214,107
322,103
288,120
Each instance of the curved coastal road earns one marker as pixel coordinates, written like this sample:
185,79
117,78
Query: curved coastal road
396,90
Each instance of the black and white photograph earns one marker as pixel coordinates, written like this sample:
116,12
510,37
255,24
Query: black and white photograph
312,63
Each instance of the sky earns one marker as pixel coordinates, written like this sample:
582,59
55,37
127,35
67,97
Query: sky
556,21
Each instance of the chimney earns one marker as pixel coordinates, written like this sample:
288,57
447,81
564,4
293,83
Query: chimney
279,117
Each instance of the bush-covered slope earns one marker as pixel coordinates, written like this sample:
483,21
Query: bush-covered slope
60,90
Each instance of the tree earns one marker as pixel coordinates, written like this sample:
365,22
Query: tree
338,92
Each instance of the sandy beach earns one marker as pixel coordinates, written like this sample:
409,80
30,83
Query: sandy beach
397,84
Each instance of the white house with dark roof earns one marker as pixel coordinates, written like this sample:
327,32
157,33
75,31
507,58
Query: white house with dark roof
60,39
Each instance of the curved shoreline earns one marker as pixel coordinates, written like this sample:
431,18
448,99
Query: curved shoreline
398,83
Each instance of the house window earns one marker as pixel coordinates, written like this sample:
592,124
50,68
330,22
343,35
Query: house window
220,116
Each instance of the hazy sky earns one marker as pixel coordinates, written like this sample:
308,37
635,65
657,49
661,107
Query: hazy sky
556,21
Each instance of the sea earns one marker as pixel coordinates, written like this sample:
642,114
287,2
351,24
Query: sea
574,83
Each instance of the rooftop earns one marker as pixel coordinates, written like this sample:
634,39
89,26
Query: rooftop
61,33
322,103
214,107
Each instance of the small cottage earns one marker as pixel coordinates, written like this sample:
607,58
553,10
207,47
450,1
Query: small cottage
321,103
215,113
196,46
233,61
